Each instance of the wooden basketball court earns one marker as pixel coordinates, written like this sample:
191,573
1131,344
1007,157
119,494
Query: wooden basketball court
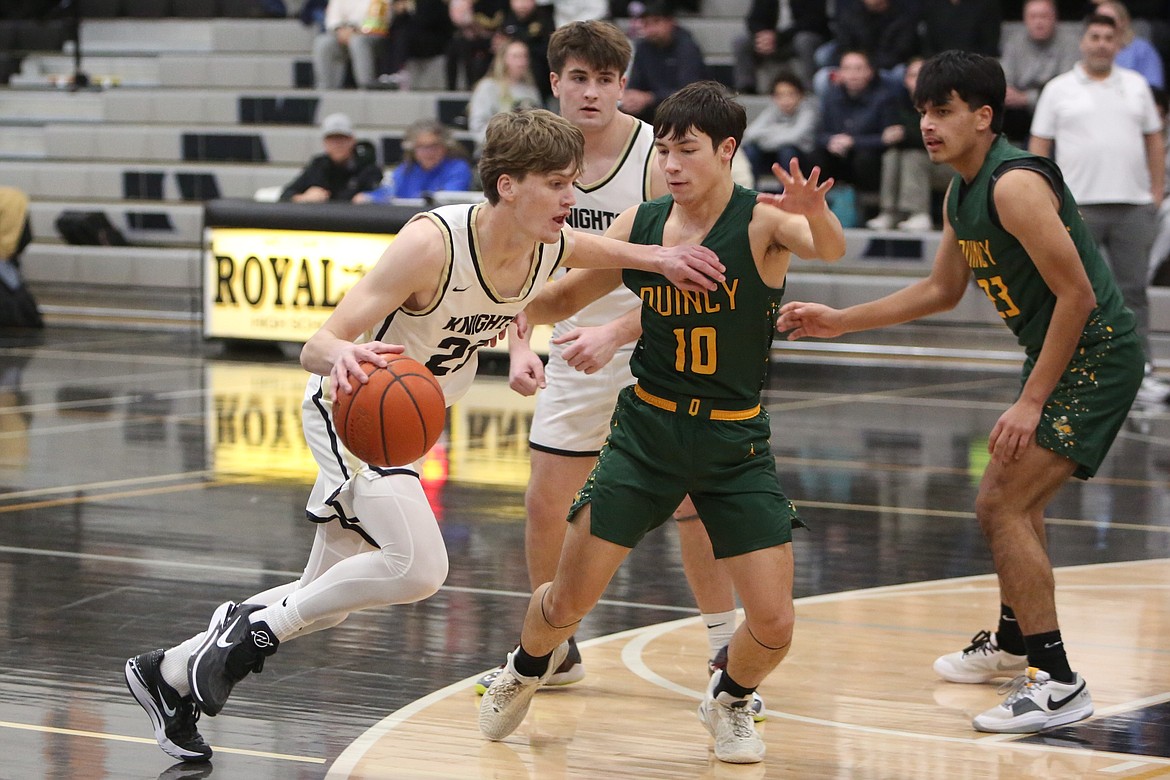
147,477
855,698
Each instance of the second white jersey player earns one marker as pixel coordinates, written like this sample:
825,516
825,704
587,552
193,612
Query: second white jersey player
573,411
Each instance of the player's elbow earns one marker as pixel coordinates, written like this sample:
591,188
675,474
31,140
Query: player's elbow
834,252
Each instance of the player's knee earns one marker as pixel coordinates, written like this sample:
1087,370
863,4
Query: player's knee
416,578
563,609
773,631
989,505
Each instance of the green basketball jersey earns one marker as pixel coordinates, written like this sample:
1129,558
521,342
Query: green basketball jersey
1004,270
710,344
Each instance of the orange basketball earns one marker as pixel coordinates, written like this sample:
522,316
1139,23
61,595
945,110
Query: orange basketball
393,419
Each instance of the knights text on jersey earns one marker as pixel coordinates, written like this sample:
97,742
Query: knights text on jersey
468,313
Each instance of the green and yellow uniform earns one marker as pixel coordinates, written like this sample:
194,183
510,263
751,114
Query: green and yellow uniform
1092,398
693,423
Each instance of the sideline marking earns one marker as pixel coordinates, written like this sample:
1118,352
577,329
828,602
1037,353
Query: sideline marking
144,741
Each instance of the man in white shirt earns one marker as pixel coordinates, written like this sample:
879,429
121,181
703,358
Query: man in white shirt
1108,137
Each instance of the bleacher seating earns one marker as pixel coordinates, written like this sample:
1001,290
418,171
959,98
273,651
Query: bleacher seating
189,105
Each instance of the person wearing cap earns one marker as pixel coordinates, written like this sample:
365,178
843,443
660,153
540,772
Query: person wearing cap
666,58
347,167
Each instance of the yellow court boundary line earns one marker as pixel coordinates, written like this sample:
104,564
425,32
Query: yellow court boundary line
144,741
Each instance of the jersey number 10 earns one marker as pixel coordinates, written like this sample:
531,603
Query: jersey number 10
702,350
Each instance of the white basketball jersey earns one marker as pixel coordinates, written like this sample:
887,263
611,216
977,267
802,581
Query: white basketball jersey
467,313
599,204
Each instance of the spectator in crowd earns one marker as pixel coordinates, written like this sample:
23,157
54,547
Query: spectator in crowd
1032,58
469,55
1108,137
1151,18
346,168
908,175
1136,53
781,34
433,162
420,34
18,307
508,86
786,128
531,24
967,25
666,58
885,30
855,112
349,38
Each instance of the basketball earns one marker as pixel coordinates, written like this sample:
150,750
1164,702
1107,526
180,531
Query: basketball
394,418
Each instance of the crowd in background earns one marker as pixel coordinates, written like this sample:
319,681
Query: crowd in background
839,73
1085,83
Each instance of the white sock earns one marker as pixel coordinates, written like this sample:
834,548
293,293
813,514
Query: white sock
282,617
174,663
720,627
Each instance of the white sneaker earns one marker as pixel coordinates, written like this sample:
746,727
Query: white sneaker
981,661
505,702
759,710
883,221
917,223
730,722
1036,702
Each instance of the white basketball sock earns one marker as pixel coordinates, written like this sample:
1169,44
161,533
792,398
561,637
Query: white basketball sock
720,627
174,663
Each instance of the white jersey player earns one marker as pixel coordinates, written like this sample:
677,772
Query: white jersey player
449,282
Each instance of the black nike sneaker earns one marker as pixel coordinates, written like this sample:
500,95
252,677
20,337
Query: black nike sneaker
172,716
233,648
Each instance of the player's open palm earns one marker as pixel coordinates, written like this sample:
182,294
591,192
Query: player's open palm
802,195
809,320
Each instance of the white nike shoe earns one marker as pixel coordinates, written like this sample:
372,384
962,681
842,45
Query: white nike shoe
730,722
1036,702
505,702
981,661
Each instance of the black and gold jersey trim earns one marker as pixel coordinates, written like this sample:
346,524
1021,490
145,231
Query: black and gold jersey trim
625,155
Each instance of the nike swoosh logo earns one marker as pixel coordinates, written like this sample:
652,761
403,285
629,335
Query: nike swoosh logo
716,625
219,639
170,711
462,289
1055,704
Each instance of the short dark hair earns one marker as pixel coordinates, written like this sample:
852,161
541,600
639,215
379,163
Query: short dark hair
978,80
705,106
600,45
1108,21
786,76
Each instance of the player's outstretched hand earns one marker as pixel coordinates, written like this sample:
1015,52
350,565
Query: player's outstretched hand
803,196
691,267
803,320
347,364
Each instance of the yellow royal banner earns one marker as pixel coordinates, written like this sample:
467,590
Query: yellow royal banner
253,419
280,285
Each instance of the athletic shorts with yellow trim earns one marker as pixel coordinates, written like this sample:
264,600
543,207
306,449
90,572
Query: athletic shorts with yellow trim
1091,401
654,457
